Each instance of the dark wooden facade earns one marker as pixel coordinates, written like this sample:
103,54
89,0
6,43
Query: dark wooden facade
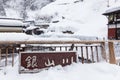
113,16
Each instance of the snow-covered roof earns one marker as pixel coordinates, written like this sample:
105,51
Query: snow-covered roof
11,22
113,9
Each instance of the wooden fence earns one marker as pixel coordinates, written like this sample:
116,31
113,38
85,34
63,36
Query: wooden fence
88,51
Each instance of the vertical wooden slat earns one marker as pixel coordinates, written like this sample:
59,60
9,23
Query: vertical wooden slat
55,48
82,54
38,48
19,49
31,48
97,53
60,48
0,55
76,48
103,51
92,54
112,59
6,56
65,48
13,56
87,53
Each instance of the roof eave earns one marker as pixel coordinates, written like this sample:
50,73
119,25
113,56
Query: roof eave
111,12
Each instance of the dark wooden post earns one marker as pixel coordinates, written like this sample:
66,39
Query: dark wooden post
97,53
82,54
13,56
0,55
87,53
6,56
92,54
112,59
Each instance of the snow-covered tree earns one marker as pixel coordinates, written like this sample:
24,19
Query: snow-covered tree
25,6
2,10
22,7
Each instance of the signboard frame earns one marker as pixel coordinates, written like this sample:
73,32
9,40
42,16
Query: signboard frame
22,69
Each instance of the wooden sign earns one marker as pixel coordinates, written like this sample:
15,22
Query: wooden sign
35,61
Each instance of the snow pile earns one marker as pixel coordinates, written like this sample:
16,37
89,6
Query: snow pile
24,37
14,37
83,18
99,71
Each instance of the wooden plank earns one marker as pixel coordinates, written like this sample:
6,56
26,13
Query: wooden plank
76,48
97,53
0,55
87,53
60,48
92,54
103,51
65,48
52,42
6,57
12,56
112,59
82,55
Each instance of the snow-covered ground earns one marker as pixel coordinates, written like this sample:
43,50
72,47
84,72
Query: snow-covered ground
83,18
76,71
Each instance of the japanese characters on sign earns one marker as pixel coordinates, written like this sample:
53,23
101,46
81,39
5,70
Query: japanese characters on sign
40,60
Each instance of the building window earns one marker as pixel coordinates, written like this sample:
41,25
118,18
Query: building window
118,17
111,18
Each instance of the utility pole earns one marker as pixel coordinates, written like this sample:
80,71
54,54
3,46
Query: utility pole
108,3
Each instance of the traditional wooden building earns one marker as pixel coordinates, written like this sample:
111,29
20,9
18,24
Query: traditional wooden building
113,16
11,25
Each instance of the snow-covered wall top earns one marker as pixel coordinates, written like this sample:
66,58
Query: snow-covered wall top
11,22
25,37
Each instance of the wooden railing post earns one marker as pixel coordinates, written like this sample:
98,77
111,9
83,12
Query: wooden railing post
0,55
112,59
13,56
6,56
103,51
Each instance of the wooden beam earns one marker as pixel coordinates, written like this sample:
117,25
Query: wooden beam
52,42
